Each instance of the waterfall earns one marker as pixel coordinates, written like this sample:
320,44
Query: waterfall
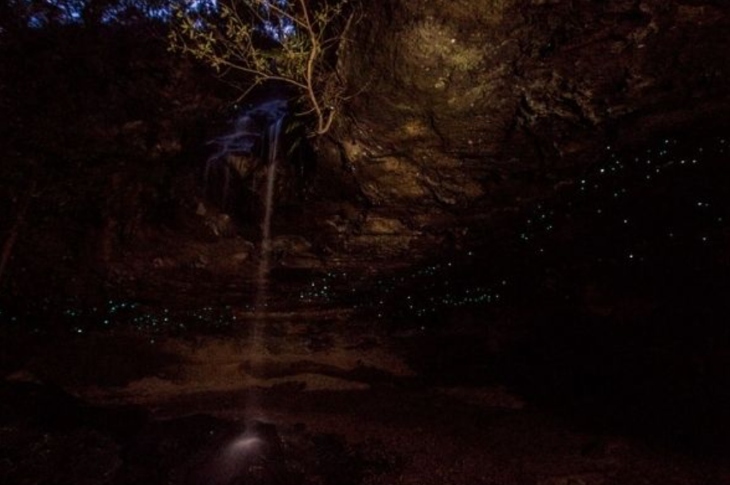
254,140
272,150
256,342
237,152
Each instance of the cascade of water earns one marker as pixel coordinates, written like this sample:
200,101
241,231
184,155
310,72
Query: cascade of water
256,343
262,122
274,133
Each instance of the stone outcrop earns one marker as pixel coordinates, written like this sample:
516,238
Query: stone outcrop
466,103
461,113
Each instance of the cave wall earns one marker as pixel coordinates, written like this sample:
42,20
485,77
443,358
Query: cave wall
486,103
459,111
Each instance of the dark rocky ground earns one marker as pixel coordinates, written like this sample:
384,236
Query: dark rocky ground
345,401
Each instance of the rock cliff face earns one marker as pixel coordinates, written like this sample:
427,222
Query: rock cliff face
486,103
462,112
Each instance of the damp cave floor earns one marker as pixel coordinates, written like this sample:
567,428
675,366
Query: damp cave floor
345,407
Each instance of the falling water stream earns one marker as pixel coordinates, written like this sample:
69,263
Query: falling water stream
261,126
274,132
256,343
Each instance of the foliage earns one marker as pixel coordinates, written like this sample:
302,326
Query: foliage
294,42
18,14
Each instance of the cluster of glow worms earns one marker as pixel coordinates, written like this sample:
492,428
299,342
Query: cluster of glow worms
122,315
608,198
611,215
